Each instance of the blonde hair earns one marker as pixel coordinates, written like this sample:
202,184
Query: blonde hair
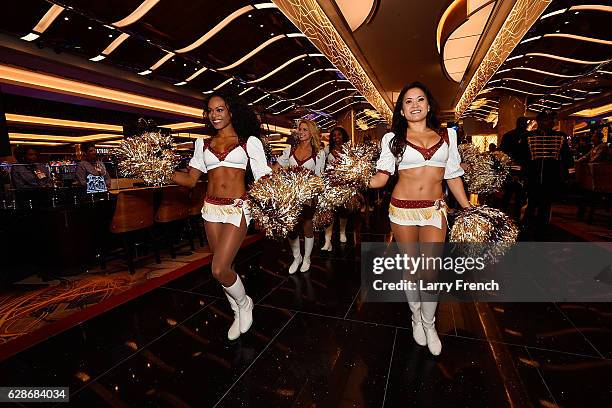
315,136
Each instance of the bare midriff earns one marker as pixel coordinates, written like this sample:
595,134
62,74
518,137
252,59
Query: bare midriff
419,183
226,182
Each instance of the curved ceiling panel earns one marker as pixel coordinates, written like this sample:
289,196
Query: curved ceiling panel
458,47
356,12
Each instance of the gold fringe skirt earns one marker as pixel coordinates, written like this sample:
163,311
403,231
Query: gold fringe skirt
226,210
417,212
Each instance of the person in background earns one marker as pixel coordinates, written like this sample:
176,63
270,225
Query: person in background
492,147
599,151
90,167
29,173
337,137
546,175
515,144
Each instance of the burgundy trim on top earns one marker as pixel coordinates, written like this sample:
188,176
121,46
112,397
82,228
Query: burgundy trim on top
301,162
428,152
222,155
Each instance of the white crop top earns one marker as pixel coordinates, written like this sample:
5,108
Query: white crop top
314,163
442,154
238,156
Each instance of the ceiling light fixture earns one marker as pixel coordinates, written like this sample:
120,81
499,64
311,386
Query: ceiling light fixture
529,82
208,35
537,37
253,52
245,91
554,13
579,38
41,81
63,123
592,7
546,72
565,59
303,78
283,110
222,84
44,23
280,68
137,14
330,94
196,74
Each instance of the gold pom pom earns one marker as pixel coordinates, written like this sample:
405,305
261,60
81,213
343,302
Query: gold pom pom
150,156
277,200
343,180
486,172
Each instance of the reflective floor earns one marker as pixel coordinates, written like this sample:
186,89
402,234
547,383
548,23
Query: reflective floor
314,343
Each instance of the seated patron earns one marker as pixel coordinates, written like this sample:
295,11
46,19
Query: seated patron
599,151
91,173
28,173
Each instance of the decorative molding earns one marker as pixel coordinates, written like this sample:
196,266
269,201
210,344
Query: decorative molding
521,18
309,18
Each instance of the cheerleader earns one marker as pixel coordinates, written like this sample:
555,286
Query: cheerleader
225,157
425,155
337,137
307,155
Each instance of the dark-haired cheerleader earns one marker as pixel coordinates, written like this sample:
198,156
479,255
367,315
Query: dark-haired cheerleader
337,137
225,157
425,155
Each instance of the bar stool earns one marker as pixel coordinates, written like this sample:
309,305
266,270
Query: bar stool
134,212
198,193
174,207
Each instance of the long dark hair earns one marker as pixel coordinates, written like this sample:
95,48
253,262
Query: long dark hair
244,119
332,142
399,123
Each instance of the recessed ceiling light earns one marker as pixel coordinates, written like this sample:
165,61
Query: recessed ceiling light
110,35
66,18
89,28
185,64
250,15
261,26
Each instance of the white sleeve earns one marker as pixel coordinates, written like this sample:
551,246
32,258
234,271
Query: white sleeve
283,159
257,158
197,161
320,163
386,161
453,168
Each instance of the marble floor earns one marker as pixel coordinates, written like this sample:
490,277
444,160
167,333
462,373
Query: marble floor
315,343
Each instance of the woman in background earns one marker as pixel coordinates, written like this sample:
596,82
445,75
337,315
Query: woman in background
337,137
305,154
